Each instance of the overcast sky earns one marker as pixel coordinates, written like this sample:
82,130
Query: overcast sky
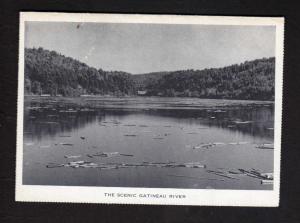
143,48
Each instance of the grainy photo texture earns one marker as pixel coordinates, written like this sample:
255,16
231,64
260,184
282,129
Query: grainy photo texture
149,109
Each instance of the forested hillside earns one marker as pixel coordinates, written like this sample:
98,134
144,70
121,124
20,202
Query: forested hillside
143,81
249,80
48,72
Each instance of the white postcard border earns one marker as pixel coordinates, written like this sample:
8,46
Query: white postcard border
35,193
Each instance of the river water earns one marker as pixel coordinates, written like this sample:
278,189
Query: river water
223,135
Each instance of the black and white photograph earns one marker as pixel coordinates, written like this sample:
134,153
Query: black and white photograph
149,109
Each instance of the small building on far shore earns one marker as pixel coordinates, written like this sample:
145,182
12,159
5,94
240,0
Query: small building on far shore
141,93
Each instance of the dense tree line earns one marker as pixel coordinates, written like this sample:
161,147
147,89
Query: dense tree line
249,80
48,72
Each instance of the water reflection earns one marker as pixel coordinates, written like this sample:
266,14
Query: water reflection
164,131
44,119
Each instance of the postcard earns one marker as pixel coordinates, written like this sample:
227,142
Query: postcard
149,109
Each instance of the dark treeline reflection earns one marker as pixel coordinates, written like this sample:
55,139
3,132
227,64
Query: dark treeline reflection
41,119
49,119
257,120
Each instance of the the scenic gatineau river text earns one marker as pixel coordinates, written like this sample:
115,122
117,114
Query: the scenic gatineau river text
142,195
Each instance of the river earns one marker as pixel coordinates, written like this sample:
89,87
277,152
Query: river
147,141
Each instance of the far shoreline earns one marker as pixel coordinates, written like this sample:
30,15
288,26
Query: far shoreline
137,96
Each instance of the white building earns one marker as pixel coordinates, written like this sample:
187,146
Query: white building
142,92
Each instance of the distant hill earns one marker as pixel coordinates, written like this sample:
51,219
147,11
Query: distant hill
143,81
48,72
250,80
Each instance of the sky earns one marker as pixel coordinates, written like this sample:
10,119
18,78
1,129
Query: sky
144,48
